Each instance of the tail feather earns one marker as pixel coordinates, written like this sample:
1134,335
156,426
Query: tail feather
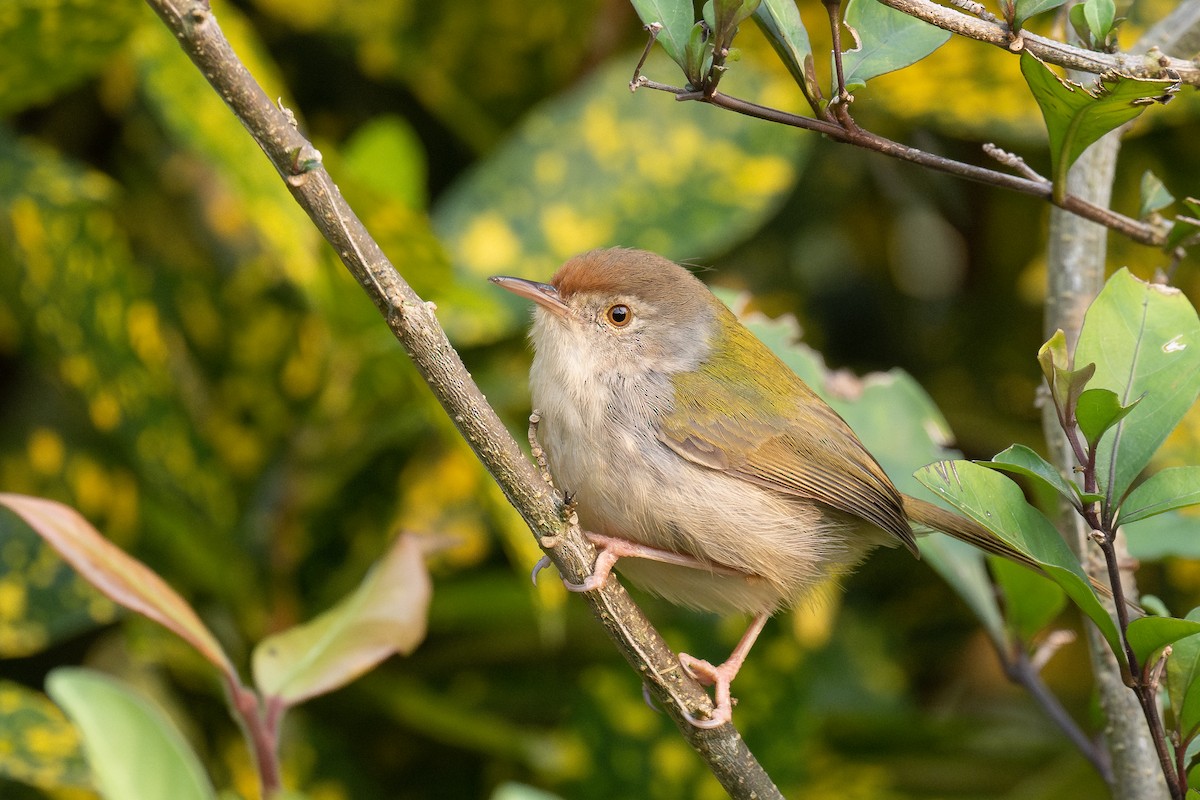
971,532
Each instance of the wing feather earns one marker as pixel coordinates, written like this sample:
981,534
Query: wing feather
799,447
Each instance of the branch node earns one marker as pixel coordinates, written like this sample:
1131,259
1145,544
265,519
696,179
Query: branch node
1013,162
303,160
287,112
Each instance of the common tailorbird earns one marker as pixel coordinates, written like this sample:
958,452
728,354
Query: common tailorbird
699,457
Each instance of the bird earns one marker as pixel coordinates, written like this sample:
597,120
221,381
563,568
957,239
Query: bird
698,460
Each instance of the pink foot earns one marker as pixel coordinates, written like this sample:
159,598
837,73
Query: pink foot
719,678
611,549
722,676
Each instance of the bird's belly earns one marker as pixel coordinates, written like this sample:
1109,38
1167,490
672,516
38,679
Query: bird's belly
641,491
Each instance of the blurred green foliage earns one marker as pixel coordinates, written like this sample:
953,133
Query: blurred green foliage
183,360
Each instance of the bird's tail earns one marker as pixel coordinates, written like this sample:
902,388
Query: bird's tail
971,532
963,528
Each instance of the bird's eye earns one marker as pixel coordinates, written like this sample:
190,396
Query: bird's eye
619,315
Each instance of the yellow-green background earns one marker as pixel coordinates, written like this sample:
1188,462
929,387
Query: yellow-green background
183,360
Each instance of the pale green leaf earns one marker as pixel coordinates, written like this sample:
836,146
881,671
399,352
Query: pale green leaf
1167,490
1097,410
135,751
888,39
1021,460
780,21
1099,15
676,17
385,615
1028,8
1148,634
1164,535
1183,681
1154,195
1145,341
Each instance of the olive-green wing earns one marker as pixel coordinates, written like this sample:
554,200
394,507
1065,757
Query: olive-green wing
803,448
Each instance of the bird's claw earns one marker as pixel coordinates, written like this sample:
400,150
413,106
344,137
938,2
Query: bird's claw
717,677
542,563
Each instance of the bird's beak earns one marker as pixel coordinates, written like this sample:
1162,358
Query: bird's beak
543,294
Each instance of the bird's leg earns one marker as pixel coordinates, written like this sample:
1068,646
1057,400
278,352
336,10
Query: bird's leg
610,549
722,676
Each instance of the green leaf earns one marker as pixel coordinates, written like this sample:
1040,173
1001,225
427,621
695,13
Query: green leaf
1145,341
676,17
590,168
697,54
1149,634
28,721
888,40
1154,195
780,21
1078,20
1183,681
1167,490
521,791
1097,410
1021,460
1181,228
48,48
1076,117
996,503
1028,8
133,748
387,614
1065,382
1031,601
726,15
125,580
1099,15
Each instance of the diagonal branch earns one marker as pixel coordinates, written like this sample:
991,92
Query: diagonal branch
415,326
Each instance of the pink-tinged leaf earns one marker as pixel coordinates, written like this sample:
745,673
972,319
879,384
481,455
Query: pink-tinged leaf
386,614
125,580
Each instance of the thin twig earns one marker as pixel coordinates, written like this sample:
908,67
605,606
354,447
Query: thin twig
1021,671
1013,162
1138,231
415,326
